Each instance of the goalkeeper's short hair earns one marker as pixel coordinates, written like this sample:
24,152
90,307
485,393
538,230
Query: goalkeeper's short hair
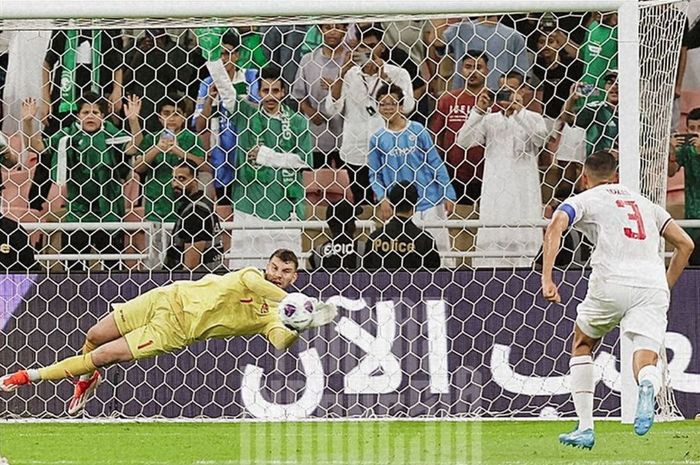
287,256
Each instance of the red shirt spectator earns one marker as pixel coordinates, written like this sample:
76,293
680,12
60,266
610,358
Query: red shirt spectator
466,166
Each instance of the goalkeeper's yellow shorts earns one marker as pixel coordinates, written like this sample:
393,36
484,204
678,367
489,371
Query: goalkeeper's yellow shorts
149,325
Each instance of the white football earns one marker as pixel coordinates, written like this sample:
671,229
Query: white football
296,311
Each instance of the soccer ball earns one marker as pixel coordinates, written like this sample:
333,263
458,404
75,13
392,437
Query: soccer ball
296,311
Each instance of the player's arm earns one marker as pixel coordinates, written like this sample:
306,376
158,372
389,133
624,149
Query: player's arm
552,242
682,248
256,282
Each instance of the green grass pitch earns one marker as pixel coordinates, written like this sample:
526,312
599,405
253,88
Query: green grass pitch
341,443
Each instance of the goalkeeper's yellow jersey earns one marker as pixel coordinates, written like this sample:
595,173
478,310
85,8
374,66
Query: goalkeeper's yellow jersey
235,304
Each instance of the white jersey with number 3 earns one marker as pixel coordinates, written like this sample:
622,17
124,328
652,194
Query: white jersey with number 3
626,230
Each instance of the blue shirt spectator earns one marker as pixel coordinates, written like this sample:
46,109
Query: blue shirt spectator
404,151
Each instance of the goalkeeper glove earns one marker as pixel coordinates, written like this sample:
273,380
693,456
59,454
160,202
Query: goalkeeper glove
323,314
209,40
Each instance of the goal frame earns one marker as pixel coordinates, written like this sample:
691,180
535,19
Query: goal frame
186,11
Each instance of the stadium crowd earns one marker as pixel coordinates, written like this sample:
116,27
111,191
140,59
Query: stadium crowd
485,118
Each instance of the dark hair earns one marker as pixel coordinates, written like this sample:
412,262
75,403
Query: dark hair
601,164
403,196
374,30
388,89
476,55
231,38
91,98
189,166
515,74
693,114
287,256
272,73
341,218
179,104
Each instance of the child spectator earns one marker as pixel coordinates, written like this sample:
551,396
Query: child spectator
404,151
87,156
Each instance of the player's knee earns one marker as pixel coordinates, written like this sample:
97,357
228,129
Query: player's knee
93,335
646,350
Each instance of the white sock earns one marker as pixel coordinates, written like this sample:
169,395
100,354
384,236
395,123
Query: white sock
581,381
33,375
652,374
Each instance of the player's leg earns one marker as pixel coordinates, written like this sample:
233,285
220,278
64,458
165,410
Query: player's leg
582,388
132,314
126,317
645,324
597,315
102,332
648,376
581,376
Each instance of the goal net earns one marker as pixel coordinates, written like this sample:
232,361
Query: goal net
409,160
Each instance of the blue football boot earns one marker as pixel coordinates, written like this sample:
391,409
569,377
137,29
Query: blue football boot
584,439
644,417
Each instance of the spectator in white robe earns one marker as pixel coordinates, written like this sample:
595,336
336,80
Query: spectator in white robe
26,53
513,137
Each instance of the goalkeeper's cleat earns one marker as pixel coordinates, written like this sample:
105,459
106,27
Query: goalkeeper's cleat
644,416
584,439
84,389
12,381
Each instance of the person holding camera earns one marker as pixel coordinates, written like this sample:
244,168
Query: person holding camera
353,95
512,136
598,117
685,153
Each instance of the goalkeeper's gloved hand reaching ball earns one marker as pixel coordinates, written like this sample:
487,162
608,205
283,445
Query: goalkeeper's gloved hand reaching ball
300,312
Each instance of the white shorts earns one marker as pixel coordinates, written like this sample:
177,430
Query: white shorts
638,310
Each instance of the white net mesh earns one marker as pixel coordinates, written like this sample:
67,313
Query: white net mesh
292,140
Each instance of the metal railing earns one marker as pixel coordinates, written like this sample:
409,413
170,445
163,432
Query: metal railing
151,228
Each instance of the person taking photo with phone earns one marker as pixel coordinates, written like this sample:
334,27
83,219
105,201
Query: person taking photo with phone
512,136
353,95
598,118
685,153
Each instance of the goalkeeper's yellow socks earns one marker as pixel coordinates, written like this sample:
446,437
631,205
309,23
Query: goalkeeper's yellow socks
87,348
67,368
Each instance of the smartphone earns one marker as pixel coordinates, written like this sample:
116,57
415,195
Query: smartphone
585,89
168,134
686,137
504,96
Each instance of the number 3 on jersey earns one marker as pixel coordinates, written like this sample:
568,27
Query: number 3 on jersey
636,216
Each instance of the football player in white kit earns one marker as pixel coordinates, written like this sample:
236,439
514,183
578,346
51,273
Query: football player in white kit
629,284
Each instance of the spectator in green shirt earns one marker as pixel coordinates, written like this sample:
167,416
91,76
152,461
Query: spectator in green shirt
274,145
252,53
88,157
599,52
685,153
161,153
598,118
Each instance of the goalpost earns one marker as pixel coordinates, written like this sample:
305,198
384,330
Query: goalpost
367,365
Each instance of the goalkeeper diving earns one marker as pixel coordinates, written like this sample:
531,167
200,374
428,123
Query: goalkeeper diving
172,317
